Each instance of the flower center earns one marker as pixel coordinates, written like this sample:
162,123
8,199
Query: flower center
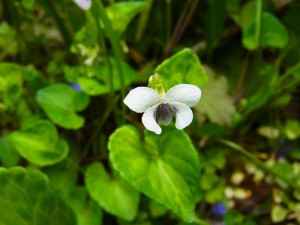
163,113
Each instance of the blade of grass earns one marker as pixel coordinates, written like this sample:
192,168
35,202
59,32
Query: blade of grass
101,12
259,163
59,22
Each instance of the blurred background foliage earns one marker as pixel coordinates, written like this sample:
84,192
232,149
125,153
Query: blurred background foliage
64,73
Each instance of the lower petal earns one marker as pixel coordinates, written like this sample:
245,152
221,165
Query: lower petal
184,115
148,120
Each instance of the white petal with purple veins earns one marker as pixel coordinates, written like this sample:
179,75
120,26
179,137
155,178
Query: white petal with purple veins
184,115
84,4
148,120
141,98
184,93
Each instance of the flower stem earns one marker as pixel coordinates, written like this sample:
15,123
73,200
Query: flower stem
99,127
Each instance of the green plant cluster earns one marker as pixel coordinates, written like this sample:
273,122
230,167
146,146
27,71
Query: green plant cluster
72,153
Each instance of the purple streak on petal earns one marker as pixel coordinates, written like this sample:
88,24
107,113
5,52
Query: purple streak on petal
163,114
219,209
175,110
76,87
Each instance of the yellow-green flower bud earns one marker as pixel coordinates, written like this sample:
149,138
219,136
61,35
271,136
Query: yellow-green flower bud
155,83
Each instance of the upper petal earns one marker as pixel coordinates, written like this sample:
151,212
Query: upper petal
184,93
141,98
184,115
84,4
149,120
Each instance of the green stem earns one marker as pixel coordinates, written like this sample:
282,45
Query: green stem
143,21
200,222
168,18
182,23
290,71
259,163
99,127
103,46
243,73
101,12
258,20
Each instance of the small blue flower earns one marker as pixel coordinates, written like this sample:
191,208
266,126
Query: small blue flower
76,87
219,209
281,155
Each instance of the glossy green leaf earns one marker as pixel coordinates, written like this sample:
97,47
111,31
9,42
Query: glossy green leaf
27,199
60,102
215,99
121,13
183,67
39,143
114,194
272,33
8,155
99,80
10,84
87,210
164,167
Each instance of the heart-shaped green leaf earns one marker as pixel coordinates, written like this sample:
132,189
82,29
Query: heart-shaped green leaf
39,143
27,199
121,13
272,33
183,67
164,167
113,194
60,102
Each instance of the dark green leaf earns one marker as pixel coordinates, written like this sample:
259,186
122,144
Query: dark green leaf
87,210
27,199
272,33
8,155
39,143
214,23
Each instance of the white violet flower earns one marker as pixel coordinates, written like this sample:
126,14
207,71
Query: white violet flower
84,4
159,106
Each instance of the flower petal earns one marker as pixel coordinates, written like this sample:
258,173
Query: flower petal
184,115
84,4
141,98
149,120
184,93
